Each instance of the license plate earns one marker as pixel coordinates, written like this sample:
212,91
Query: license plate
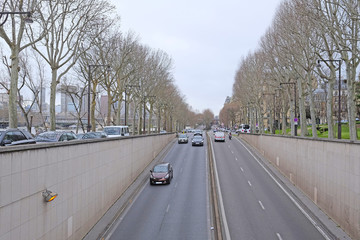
158,182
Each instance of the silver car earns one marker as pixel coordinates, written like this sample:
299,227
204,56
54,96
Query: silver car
183,138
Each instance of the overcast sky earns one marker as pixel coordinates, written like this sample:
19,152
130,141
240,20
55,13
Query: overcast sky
206,40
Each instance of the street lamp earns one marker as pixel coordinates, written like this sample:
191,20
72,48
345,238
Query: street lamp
6,15
295,118
126,87
89,89
339,95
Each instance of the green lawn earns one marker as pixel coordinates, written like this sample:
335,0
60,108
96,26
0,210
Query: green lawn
324,134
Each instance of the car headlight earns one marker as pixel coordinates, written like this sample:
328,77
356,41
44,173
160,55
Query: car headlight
167,176
152,176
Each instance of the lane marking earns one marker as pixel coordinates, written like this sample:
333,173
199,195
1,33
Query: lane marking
262,206
176,184
249,183
232,152
241,169
279,236
168,207
236,158
288,194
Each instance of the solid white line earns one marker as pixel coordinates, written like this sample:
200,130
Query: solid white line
288,194
249,183
262,206
279,236
226,227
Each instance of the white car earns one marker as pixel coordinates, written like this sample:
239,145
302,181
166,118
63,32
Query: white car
220,136
116,131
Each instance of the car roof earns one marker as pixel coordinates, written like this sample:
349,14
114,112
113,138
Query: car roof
163,164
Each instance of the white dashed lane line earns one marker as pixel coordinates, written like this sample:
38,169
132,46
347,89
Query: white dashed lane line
249,183
262,206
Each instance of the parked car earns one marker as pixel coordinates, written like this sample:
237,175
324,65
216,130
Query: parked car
116,131
220,136
90,135
161,174
197,141
15,136
56,136
183,138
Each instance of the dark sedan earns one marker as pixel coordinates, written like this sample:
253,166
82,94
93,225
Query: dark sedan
14,136
161,174
56,136
197,141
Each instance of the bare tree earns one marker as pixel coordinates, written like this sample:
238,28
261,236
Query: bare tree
70,32
13,33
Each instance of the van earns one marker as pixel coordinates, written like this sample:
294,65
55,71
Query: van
244,128
220,136
116,131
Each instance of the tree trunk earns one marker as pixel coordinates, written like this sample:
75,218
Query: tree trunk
149,119
93,107
351,99
329,106
109,102
302,110
13,98
53,99
312,107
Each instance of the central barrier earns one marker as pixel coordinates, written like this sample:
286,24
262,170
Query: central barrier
88,176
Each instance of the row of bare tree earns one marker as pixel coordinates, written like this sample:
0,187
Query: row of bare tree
286,67
79,43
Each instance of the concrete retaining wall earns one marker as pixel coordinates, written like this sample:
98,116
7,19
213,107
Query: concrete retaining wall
327,171
88,177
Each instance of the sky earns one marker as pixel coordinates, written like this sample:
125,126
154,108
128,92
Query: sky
206,40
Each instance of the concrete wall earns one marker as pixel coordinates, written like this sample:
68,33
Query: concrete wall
88,176
327,171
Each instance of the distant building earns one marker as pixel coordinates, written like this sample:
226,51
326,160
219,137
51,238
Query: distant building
68,103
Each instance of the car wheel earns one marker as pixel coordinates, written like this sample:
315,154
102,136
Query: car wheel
169,180
151,183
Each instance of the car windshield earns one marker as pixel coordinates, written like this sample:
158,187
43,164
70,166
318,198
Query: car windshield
160,168
112,131
197,137
182,136
246,127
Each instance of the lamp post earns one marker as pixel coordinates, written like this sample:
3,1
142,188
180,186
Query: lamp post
295,117
6,15
339,91
126,87
89,89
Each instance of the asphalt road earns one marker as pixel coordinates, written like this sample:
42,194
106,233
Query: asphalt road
255,206
175,211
